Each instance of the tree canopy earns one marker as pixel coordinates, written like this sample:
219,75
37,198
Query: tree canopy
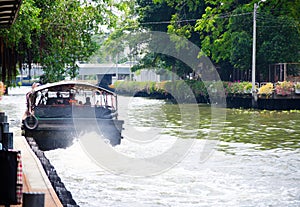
223,30
58,33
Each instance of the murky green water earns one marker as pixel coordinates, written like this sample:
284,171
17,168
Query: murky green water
252,158
265,129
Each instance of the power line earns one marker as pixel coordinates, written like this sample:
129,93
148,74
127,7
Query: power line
261,17
168,22
278,25
221,16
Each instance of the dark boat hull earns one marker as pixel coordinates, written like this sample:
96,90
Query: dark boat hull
61,133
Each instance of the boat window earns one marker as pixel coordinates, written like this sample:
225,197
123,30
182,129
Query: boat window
97,97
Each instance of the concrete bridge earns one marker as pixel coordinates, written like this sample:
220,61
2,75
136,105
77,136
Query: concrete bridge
105,72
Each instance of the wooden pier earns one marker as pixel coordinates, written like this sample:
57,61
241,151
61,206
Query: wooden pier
23,178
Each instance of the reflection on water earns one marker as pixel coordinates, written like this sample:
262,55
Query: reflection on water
256,161
265,129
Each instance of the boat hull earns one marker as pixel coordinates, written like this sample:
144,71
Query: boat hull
61,133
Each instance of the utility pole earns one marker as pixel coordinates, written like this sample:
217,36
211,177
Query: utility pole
254,92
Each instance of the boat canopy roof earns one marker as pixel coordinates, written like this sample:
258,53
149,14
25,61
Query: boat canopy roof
70,85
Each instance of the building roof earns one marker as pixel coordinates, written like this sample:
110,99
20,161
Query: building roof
8,12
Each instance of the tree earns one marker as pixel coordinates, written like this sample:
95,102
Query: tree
58,33
66,37
19,36
226,33
169,16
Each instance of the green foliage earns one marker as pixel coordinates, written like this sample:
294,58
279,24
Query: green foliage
150,12
156,16
58,33
27,21
67,37
180,90
236,87
198,87
279,46
224,30
241,50
176,88
201,90
131,87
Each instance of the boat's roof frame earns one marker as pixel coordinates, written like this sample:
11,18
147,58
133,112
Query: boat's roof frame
50,85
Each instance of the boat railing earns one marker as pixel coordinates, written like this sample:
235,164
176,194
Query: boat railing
74,111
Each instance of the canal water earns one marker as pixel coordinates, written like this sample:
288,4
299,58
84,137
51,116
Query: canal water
247,158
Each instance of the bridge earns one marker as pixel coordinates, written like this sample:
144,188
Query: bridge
105,72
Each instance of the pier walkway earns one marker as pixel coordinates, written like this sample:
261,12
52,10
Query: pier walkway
35,179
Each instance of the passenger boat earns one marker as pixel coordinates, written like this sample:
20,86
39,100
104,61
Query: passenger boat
59,112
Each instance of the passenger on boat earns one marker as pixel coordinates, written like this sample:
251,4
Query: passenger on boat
87,101
72,99
34,85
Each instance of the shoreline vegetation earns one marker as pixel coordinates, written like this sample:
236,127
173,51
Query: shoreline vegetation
271,96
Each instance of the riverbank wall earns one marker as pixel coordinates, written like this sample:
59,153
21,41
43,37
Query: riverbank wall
234,101
234,95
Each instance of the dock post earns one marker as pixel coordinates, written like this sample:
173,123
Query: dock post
33,199
7,140
3,117
3,124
